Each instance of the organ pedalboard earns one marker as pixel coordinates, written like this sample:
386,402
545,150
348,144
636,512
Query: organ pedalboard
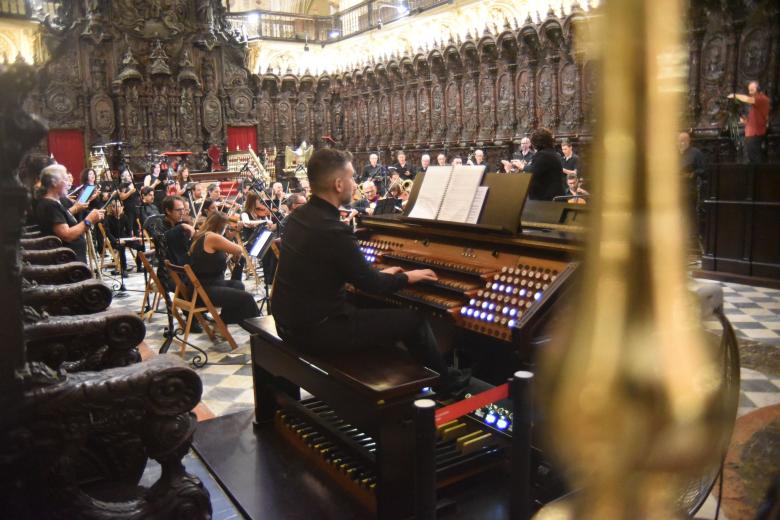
464,447
488,291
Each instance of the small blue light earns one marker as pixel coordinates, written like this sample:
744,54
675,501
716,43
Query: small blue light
513,312
537,295
509,289
521,293
463,310
472,301
494,286
511,323
484,305
482,315
492,306
490,317
427,389
490,418
469,311
502,424
505,311
501,288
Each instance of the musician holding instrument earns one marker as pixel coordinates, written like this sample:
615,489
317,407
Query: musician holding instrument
129,197
182,179
147,208
89,178
574,190
371,170
255,214
278,196
209,256
319,256
402,168
119,232
54,219
366,204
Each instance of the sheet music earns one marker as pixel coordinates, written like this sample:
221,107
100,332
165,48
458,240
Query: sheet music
460,193
431,192
476,205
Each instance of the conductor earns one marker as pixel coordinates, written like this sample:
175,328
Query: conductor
319,256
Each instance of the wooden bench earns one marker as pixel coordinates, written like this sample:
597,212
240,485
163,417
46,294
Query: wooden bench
372,390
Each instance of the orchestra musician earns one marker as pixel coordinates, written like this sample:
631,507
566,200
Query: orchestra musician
130,198
214,192
54,219
209,256
574,190
156,180
371,170
207,208
366,204
479,160
457,161
89,178
119,232
278,196
526,153
401,168
147,208
255,214
295,201
182,179
319,255
441,160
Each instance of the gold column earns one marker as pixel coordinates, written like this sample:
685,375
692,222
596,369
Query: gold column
630,391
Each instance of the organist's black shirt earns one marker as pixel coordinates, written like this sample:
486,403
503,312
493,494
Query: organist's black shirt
319,255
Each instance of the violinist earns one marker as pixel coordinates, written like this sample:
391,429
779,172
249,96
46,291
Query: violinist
366,205
214,192
255,214
278,197
209,255
207,208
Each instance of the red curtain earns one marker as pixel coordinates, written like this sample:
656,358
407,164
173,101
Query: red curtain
67,147
241,138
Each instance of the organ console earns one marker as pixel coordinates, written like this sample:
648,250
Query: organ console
494,295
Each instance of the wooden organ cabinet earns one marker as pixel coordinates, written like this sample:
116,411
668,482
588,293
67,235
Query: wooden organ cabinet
494,295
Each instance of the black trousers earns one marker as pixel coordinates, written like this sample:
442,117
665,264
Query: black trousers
369,329
754,150
121,248
236,303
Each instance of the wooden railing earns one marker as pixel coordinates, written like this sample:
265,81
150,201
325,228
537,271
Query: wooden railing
371,14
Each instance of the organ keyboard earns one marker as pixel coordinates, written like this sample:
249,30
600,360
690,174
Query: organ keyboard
493,285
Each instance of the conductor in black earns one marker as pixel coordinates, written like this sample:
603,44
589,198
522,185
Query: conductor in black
319,255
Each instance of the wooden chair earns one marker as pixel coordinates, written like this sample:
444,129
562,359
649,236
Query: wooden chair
147,239
107,247
153,292
250,262
194,301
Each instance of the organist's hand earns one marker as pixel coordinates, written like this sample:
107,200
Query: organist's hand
420,275
392,270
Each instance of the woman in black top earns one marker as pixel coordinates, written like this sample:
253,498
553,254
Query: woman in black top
89,178
117,227
131,199
545,168
209,255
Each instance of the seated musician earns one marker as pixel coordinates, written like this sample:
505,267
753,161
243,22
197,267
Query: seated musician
207,208
366,205
118,229
294,201
546,170
575,192
255,214
147,208
319,255
209,256
441,159
278,196
54,219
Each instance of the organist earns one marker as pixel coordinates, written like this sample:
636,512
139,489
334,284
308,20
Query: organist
319,256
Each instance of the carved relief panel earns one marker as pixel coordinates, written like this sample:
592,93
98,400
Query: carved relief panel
423,116
373,122
438,124
523,107
411,117
544,95
569,108
397,117
713,79
505,107
487,107
453,111
284,121
469,132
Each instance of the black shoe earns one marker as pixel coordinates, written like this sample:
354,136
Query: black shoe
454,384
195,328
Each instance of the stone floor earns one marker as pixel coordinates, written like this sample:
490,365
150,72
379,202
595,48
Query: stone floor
227,380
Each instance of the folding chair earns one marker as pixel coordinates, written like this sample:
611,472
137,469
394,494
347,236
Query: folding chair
111,251
250,262
153,292
194,301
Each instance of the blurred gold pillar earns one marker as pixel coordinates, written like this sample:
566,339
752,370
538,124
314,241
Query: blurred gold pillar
629,392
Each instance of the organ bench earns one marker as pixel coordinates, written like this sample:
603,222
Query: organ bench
373,391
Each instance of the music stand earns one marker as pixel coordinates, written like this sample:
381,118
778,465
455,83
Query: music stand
260,242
